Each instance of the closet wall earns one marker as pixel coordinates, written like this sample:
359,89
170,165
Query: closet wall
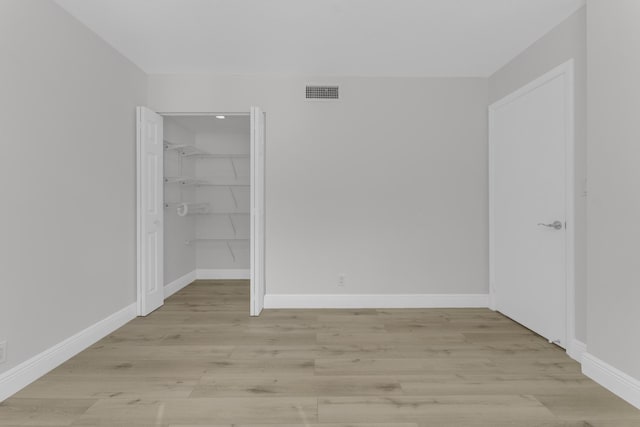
227,173
206,196
179,258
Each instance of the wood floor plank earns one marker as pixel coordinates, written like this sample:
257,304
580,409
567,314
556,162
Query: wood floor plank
50,411
156,352
455,384
441,410
216,386
184,369
399,366
109,387
119,412
390,338
303,425
584,403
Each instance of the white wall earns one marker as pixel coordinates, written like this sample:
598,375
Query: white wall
613,37
179,259
387,186
566,41
67,181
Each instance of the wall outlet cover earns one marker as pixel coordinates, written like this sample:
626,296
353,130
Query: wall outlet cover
341,279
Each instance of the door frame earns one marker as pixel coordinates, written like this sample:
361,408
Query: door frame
260,178
257,216
565,70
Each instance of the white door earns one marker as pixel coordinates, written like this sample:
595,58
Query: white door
531,174
257,211
150,235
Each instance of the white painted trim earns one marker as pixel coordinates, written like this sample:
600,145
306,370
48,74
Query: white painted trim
240,274
25,373
376,301
179,283
493,305
139,220
576,350
567,70
613,379
257,209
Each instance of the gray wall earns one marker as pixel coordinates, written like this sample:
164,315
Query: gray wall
614,178
566,41
67,114
387,186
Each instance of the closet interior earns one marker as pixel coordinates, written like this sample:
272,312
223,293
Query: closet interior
207,195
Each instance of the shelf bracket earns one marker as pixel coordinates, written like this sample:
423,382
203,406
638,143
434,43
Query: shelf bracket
233,165
233,195
233,226
233,255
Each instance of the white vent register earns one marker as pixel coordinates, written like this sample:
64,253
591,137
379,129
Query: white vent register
322,92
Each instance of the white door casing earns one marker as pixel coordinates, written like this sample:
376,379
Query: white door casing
531,149
150,216
257,211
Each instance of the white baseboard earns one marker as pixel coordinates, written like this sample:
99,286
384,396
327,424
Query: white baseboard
576,350
27,372
179,283
240,274
377,301
613,379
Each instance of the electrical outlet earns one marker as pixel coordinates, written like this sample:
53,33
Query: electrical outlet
341,280
3,351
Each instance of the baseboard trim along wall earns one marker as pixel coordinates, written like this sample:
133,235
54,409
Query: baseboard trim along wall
239,274
576,350
613,379
377,301
27,372
179,283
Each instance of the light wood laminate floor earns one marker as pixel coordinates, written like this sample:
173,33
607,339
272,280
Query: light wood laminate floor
202,361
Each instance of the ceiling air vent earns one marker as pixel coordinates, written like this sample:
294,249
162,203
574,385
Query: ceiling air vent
322,92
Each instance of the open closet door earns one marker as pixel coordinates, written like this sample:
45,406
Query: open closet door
257,210
150,200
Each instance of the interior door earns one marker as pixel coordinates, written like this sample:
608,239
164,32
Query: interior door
150,201
257,210
529,135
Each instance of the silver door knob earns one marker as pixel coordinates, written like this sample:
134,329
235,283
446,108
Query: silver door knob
555,224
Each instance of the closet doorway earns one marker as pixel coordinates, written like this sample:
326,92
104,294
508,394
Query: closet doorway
200,202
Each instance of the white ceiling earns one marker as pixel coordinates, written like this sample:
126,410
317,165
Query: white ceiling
324,37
